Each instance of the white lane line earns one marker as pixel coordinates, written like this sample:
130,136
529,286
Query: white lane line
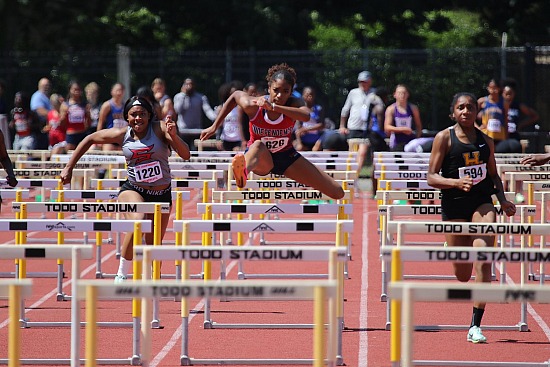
362,359
539,320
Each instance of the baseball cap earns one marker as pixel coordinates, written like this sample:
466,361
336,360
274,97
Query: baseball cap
363,76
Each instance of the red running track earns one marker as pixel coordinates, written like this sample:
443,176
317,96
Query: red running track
365,340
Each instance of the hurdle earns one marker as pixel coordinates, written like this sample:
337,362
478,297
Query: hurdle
467,228
28,183
38,251
62,226
409,292
338,210
278,226
321,292
93,207
15,291
388,213
333,256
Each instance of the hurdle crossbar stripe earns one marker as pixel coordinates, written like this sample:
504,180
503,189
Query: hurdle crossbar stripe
115,183
102,194
55,165
28,183
274,195
12,193
284,184
388,195
179,173
402,184
249,253
25,284
39,251
401,175
199,166
302,289
336,174
527,176
70,225
73,207
530,210
261,208
469,228
276,226
85,194
91,158
423,291
467,254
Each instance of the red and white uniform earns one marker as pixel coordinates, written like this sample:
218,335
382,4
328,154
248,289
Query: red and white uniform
276,135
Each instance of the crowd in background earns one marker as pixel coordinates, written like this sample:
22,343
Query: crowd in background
56,121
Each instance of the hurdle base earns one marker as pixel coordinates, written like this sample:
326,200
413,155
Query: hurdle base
135,360
67,361
479,363
216,325
62,297
283,276
27,324
186,361
518,327
49,274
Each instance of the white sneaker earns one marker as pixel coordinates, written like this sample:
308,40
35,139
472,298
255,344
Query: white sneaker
120,278
476,336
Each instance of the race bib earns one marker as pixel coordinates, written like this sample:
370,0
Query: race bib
274,144
493,125
477,172
512,127
148,172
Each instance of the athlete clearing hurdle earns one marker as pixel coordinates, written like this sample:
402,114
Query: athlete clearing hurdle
463,166
146,145
270,150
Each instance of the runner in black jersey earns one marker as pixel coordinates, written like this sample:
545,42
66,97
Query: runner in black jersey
462,165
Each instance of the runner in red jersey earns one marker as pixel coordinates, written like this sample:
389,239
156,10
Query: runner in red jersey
272,119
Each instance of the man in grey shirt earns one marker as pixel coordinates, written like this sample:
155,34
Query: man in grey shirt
355,114
189,105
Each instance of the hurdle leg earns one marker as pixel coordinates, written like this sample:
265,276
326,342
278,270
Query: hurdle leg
75,309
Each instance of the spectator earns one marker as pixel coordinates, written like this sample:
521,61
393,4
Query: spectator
356,114
309,132
6,163
40,103
402,121
493,113
24,122
112,113
189,105
231,132
75,116
158,86
520,118
56,132
92,97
